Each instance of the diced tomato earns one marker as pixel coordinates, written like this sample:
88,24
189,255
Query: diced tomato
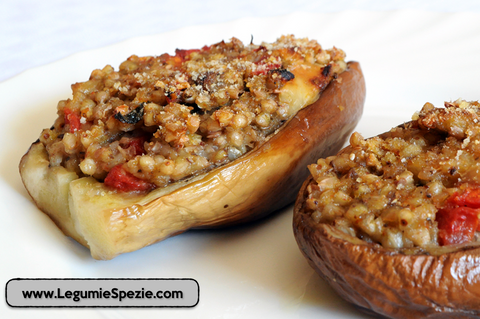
183,53
263,68
470,198
456,225
458,220
124,181
73,119
135,142
180,56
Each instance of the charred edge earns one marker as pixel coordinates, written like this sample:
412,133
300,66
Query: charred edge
326,70
132,117
207,80
196,109
284,74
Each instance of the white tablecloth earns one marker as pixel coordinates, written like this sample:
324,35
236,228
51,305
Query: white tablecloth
34,33
411,52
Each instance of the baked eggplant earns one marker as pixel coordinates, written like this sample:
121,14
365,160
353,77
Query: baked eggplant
392,222
291,100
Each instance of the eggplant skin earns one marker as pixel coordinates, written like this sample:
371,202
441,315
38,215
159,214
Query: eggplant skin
386,282
262,181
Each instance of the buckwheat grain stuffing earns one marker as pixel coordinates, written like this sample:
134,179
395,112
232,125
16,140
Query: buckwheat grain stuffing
161,119
414,187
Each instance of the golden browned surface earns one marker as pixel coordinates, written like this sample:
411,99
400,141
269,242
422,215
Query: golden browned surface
366,218
167,118
254,185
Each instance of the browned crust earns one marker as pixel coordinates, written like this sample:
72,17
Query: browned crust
387,282
258,183
318,130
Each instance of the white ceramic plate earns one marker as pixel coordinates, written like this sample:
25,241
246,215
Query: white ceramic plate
253,271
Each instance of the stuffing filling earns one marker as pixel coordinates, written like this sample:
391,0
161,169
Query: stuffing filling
417,186
161,119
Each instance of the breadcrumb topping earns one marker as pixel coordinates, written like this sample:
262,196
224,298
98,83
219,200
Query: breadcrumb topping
414,187
165,118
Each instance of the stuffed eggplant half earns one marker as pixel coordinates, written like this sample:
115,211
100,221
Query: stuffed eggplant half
392,222
203,138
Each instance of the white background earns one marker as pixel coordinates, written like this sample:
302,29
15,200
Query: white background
411,52
34,33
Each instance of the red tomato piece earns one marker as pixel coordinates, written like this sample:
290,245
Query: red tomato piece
263,68
136,143
73,119
470,198
183,53
124,181
456,225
